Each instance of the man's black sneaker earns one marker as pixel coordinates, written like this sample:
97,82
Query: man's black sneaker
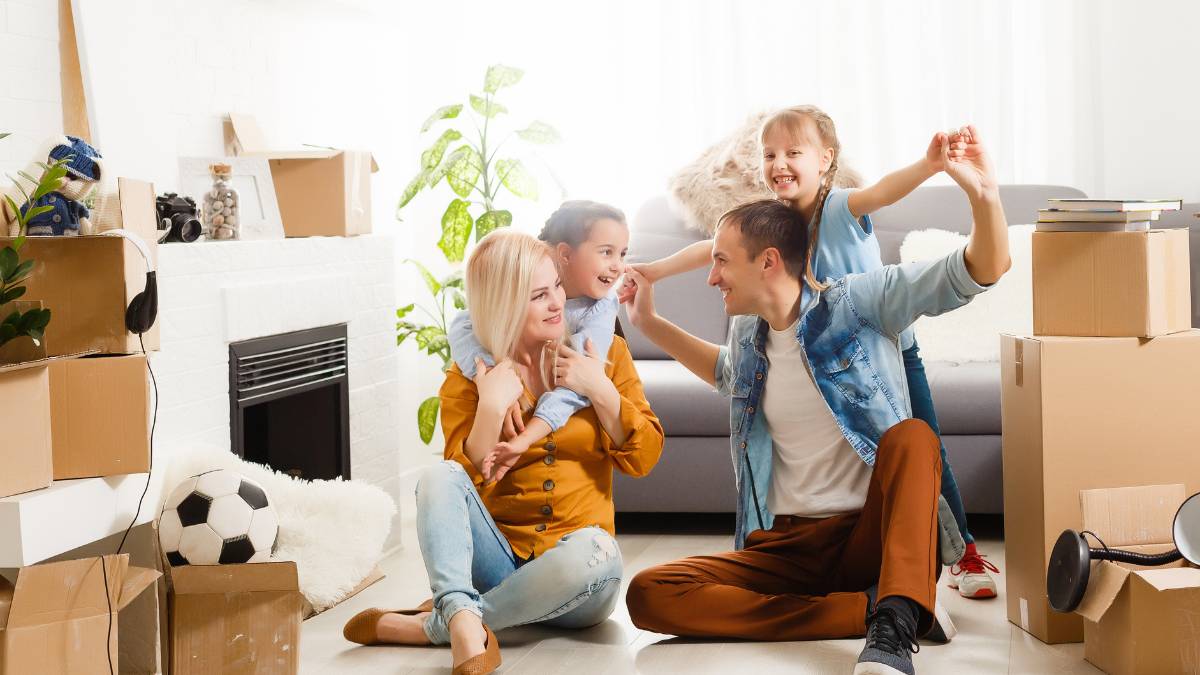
891,642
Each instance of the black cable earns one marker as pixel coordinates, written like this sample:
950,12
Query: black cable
108,597
149,470
1131,557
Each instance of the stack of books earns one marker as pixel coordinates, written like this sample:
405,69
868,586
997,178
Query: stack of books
1102,215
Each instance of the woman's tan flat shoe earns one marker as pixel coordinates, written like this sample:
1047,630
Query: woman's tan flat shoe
363,627
482,664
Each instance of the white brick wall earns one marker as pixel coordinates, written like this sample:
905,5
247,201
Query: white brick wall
214,293
30,84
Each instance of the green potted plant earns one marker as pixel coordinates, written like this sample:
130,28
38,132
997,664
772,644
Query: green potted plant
468,159
21,319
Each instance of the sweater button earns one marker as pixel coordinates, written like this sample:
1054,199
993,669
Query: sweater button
546,510
550,446
541,527
548,459
758,376
548,485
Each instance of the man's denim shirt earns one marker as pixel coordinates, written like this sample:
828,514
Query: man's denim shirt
849,335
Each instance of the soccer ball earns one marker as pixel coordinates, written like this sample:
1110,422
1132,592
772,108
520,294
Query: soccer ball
217,517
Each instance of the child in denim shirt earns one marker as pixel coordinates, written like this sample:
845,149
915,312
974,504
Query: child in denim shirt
590,241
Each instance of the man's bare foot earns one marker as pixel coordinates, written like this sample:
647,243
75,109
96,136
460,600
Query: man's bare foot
403,629
467,637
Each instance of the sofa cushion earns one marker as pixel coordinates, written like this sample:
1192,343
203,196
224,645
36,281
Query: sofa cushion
685,405
966,396
686,300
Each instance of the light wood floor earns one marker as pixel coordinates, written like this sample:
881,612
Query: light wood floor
986,642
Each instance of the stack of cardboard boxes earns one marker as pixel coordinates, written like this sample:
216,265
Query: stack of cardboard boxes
1103,395
78,406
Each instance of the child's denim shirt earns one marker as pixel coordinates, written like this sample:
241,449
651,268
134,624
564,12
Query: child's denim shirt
587,318
850,337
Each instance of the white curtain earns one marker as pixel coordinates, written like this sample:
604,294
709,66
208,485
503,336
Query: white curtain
639,88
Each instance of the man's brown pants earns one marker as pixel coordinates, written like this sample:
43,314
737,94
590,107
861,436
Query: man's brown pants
805,579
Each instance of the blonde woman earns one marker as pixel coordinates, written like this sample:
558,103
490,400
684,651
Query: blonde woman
532,543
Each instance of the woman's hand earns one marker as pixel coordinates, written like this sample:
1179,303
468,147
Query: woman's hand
582,373
499,386
629,287
968,163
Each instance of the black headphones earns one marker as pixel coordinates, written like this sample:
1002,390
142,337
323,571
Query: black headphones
143,308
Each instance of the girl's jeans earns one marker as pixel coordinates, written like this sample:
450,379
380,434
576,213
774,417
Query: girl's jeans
471,566
922,409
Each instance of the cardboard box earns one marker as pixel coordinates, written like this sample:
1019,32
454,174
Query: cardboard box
101,420
1083,413
88,281
321,192
55,619
25,457
234,619
1111,284
1138,619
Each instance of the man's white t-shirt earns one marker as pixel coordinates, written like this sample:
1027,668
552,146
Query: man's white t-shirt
814,471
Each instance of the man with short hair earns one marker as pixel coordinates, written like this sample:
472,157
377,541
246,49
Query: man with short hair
838,485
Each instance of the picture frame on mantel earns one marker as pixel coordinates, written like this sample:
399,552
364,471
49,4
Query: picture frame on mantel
251,177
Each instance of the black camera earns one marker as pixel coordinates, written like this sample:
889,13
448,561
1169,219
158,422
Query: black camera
178,218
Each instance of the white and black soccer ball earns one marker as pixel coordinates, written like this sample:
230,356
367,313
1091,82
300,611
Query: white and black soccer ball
215,518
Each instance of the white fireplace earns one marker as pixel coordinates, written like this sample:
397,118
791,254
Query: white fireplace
216,293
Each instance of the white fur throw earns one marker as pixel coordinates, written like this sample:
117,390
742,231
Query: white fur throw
333,530
971,333
729,174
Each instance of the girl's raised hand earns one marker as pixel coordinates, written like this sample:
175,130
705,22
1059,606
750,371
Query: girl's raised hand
968,163
933,154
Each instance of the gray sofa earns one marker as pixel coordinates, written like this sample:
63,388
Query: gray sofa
695,473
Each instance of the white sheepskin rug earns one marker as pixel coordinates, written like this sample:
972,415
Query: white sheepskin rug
333,530
729,174
972,333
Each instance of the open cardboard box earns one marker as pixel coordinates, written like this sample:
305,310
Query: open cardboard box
55,618
1112,284
101,420
88,281
1084,413
1139,619
234,619
321,191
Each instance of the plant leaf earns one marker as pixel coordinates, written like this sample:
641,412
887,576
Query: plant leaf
445,112
453,280
459,298
52,176
500,76
11,294
427,418
488,109
433,156
414,186
456,231
462,169
540,132
430,281
8,263
518,181
20,272
36,211
490,221
5,134
404,311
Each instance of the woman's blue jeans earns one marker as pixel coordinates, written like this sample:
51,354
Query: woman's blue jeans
922,409
472,568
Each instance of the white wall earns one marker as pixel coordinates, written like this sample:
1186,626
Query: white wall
637,89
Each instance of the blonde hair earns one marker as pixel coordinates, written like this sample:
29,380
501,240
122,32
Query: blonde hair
499,278
792,120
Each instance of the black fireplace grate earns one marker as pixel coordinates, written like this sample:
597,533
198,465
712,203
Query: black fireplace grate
266,375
